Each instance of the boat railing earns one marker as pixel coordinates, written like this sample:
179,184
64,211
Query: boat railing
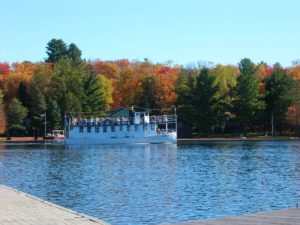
119,121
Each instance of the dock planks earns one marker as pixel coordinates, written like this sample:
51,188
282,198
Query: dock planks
277,217
18,208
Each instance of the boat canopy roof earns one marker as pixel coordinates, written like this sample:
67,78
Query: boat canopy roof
120,112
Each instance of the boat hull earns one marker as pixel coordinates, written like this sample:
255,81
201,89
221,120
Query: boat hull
96,140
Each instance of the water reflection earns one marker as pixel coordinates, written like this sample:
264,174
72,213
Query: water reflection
151,184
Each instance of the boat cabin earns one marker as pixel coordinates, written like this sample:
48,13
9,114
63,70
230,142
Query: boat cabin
119,124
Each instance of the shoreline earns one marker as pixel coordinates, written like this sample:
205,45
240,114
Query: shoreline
22,140
184,140
179,140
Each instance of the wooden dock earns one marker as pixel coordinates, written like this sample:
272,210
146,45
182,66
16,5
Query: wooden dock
18,208
278,217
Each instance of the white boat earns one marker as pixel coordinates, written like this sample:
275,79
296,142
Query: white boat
117,128
55,136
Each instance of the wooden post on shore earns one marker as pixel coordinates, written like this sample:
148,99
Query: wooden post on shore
272,122
45,124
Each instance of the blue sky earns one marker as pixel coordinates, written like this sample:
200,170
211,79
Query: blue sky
184,31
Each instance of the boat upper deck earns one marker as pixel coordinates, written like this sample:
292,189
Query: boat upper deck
119,121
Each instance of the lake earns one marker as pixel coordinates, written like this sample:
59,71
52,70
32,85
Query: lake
163,183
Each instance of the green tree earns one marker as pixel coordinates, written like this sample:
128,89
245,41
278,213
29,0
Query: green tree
97,94
204,101
15,114
37,107
22,94
42,78
226,80
248,102
66,86
37,100
74,53
281,93
54,116
56,50
185,85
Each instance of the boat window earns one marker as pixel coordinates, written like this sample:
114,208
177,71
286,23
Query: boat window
97,129
89,129
81,129
105,129
121,128
136,127
113,129
128,127
152,127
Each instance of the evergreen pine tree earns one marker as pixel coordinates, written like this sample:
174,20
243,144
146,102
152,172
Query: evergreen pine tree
15,115
281,93
22,94
248,102
37,107
54,116
97,94
74,54
66,85
56,50
204,102
184,87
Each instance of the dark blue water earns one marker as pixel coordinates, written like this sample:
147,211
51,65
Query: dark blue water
152,184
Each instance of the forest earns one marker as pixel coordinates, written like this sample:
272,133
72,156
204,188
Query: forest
210,99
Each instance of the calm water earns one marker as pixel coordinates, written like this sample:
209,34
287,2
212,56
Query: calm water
152,184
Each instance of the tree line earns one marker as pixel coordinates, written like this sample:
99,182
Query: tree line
210,99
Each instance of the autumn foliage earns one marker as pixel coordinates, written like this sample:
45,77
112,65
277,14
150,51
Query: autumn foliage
129,80
69,83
